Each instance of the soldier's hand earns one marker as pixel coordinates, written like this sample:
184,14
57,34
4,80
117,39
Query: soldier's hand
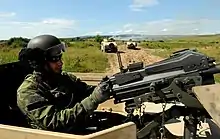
103,91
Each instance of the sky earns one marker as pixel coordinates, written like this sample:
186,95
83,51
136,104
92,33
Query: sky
69,18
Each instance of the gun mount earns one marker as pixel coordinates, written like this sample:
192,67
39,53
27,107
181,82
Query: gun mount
131,67
167,81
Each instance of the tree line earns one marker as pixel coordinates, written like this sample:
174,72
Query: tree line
16,42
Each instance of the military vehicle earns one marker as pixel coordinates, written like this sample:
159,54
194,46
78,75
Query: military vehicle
181,84
131,44
109,45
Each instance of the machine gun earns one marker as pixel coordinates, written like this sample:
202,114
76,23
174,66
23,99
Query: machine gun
167,81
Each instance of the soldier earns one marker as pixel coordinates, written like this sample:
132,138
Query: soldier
51,98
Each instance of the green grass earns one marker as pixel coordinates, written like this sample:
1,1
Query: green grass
79,57
209,45
84,44
8,55
85,60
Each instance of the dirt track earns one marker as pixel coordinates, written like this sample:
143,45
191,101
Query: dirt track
130,55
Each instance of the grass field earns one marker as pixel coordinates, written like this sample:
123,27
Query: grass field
209,44
8,55
79,57
206,44
85,56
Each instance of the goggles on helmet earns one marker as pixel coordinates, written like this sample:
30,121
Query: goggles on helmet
55,53
54,58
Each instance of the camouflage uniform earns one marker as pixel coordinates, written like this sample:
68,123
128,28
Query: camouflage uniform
62,108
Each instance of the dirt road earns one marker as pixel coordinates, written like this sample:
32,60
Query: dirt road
130,55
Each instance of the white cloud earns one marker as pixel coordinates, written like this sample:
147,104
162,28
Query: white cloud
7,14
63,22
93,33
138,5
111,32
127,25
128,31
118,32
172,27
70,28
98,32
164,29
59,27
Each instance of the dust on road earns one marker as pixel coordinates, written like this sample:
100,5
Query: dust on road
130,55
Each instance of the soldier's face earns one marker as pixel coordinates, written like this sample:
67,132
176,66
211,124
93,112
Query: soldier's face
56,66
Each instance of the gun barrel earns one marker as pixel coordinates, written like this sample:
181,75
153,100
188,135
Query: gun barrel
213,70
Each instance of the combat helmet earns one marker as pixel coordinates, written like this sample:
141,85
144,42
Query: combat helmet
42,48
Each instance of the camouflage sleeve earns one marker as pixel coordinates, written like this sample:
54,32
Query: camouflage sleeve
82,87
46,115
